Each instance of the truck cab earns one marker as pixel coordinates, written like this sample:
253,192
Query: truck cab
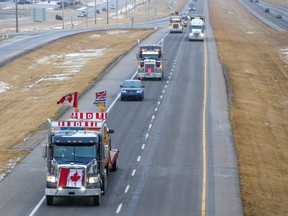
196,31
79,157
150,61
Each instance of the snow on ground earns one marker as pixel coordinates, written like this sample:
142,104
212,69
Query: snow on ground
4,86
69,65
284,53
116,32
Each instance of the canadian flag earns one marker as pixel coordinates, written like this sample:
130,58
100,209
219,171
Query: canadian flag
71,99
71,178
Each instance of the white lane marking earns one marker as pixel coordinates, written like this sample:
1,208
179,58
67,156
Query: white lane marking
146,137
143,146
153,117
165,86
138,158
158,102
150,125
161,96
37,206
133,172
119,208
168,80
156,109
127,188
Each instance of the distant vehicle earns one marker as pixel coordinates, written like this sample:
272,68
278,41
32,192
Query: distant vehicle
58,17
267,10
133,89
256,1
192,8
150,61
82,14
104,9
278,16
191,4
112,7
185,19
97,11
197,28
28,1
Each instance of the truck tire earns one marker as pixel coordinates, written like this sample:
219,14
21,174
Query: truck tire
49,200
114,166
97,200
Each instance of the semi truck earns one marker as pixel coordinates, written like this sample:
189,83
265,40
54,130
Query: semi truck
150,61
79,157
175,23
196,31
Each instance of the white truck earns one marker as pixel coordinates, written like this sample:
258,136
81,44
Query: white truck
79,157
196,31
150,61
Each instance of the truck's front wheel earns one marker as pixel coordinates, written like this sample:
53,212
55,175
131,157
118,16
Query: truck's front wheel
96,200
114,166
49,200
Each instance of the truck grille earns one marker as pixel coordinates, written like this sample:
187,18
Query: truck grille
72,177
149,68
175,26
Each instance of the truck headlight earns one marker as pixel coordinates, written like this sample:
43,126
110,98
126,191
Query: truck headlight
124,91
93,180
51,179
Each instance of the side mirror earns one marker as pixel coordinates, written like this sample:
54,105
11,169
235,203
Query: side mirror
44,151
110,131
143,86
121,86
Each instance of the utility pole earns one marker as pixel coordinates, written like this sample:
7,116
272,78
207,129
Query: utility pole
107,13
16,6
62,5
95,13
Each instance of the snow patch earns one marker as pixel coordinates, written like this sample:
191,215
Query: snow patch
4,86
68,64
95,36
250,32
284,53
114,32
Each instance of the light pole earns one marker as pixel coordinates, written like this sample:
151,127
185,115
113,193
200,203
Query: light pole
95,13
16,7
107,13
62,5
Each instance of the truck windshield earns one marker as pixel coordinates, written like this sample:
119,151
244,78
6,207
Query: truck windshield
150,56
196,27
72,153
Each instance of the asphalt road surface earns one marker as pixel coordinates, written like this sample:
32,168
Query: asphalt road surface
177,155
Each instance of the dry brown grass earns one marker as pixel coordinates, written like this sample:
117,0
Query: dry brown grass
250,53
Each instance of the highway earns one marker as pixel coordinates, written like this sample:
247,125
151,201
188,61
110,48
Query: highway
269,18
177,155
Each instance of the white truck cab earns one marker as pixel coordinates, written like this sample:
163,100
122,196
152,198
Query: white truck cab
196,29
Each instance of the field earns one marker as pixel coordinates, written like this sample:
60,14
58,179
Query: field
255,64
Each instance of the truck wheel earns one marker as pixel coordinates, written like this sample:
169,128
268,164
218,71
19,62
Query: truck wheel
96,200
49,200
114,166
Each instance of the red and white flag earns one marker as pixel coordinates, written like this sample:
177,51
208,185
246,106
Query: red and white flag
71,178
71,99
